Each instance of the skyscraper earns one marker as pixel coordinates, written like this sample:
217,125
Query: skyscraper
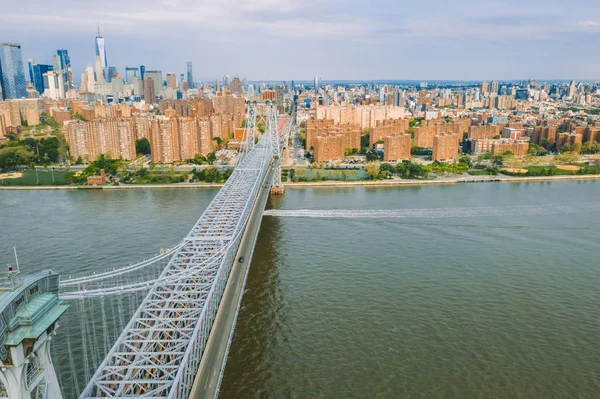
171,80
142,72
157,81
99,70
317,83
56,88
89,71
12,72
65,66
38,76
226,81
100,50
30,63
65,61
190,75
130,73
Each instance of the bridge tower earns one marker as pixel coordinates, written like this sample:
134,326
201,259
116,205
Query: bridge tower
250,132
29,311
272,128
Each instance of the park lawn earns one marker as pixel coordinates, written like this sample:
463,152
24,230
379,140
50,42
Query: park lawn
29,178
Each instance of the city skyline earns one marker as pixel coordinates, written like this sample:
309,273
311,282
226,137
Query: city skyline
465,41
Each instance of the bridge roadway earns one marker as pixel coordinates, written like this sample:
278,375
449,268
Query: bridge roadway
212,366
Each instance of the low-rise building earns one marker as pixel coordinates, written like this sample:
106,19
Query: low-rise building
97,180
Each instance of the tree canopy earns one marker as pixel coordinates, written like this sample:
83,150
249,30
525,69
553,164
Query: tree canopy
142,146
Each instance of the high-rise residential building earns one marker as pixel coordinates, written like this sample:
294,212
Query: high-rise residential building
130,73
38,76
445,146
236,86
494,87
157,79
171,80
142,72
190,75
12,72
396,147
149,93
485,87
100,49
317,83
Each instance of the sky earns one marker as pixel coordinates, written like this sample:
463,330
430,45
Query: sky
334,39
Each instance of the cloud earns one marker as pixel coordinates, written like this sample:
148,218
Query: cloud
588,26
337,38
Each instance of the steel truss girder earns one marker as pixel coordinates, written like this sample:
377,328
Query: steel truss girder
158,352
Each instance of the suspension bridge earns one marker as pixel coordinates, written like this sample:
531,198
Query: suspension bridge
162,327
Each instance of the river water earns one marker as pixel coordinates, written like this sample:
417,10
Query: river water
451,291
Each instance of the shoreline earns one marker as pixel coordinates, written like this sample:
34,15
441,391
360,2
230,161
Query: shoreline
331,183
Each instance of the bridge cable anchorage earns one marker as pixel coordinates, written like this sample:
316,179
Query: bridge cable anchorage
158,351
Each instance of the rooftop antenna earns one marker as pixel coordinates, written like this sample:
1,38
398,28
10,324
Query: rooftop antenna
98,25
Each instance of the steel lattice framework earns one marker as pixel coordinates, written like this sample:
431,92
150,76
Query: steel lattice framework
158,353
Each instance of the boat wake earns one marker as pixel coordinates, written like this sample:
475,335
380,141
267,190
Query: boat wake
437,213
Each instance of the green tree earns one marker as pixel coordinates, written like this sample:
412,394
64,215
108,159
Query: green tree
200,159
372,170
364,140
48,150
211,174
547,145
142,146
466,160
497,160
590,147
11,157
79,160
537,150
211,158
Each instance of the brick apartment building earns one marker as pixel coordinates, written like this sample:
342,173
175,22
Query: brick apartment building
396,147
445,146
484,132
386,128
568,139
424,134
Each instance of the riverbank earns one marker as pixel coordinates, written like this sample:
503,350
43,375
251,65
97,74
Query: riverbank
330,183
